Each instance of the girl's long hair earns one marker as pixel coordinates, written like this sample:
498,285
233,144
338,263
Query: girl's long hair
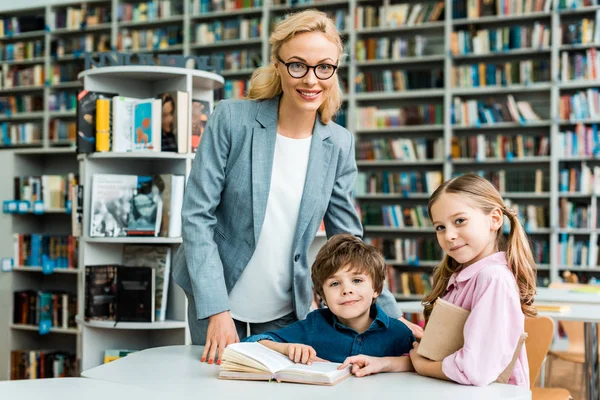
518,252
265,84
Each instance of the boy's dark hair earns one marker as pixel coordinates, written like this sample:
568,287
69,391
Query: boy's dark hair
345,250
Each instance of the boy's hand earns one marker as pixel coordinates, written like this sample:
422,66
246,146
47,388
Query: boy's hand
416,329
301,353
364,365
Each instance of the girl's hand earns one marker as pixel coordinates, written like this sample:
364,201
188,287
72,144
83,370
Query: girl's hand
301,353
416,329
364,365
419,362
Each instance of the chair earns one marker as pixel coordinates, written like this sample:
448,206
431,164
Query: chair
540,331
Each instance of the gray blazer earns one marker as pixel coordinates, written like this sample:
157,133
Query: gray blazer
226,198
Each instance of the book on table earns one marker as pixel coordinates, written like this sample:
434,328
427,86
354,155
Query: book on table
553,307
253,361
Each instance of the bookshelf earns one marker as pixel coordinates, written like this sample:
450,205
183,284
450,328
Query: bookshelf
138,82
427,107
29,275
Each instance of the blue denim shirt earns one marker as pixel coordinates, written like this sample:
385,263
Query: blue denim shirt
334,341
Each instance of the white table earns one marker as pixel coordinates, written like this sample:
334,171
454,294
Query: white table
73,389
177,371
582,309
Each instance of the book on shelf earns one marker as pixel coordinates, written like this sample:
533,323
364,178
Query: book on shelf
86,119
200,113
131,205
119,293
115,354
174,121
253,361
159,259
146,125
443,335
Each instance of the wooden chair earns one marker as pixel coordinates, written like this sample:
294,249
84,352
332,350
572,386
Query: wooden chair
540,331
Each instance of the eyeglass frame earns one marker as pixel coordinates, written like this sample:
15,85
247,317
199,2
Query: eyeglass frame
308,67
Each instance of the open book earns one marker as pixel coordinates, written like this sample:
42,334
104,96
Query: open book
443,335
253,361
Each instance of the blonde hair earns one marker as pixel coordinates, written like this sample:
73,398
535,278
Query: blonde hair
518,252
265,84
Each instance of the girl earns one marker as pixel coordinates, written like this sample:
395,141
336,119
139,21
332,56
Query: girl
269,169
483,272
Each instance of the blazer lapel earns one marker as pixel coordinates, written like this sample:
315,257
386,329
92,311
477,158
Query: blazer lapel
263,150
318,165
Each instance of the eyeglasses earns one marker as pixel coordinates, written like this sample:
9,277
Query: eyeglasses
298,69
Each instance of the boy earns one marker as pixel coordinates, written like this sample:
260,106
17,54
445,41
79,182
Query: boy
348,275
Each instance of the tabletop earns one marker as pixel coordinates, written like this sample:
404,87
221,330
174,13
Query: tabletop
176,370
73,389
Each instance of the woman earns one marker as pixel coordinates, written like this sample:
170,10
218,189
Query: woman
269,170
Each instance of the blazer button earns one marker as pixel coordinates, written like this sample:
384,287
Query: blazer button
296,257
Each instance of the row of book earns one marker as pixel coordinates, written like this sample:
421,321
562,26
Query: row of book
131,205
387,80
584,104
579,66
235,60
519,181
136,291
402,183
583,141
230,29
386,48
395,216
11,26
407,250
579,179
408,283
207,6
149,39
576,4
24,133
62,101
506,147
64,72
233,89
60,131
84,15
398,15
52,190
577,252
500,74
418,149
577,215
531,216
58,309
485,41
19,51
76,45
13,105
36,250
146,11
583,31
13,76
374,117
480,8
37,364
476,112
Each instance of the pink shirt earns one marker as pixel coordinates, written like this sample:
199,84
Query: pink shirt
487,288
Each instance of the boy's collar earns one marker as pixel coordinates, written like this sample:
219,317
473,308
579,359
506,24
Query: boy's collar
380,319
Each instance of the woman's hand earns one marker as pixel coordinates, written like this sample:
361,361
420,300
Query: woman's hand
416,329
301,353
220,333
364,365
426,367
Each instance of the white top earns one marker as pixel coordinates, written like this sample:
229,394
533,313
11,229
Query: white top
74,389
264,290
175,371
